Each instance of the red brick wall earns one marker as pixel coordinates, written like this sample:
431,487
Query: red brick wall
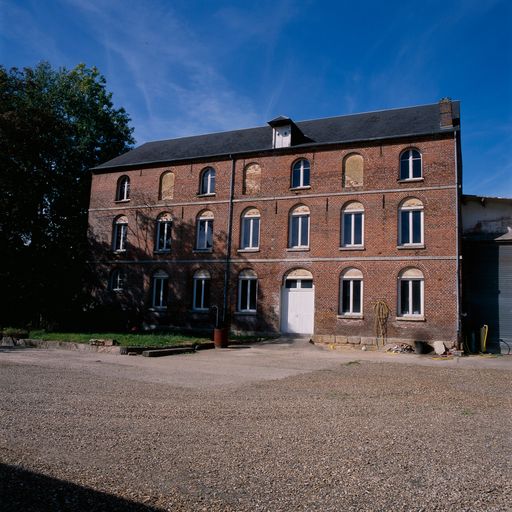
380,194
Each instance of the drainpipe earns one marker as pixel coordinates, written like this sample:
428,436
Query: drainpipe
227,270
458,227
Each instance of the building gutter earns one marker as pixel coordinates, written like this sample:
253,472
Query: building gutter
227,269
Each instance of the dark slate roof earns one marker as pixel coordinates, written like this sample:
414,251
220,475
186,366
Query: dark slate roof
384,124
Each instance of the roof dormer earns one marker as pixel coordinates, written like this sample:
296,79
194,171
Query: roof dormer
281,132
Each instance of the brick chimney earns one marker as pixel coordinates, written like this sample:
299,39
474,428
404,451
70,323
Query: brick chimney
445,113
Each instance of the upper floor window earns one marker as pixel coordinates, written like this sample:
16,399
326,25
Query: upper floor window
120,233
159,289
201,299
167,186
410,164
353,170
410,222
300,173
123,189
352,222
252,179
410,293
298,236
207,184
247,291
163,233
117,280
250,238
204,227
351,292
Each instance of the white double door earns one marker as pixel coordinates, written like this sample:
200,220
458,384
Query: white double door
298,310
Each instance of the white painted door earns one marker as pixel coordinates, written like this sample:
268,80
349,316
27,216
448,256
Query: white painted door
298,310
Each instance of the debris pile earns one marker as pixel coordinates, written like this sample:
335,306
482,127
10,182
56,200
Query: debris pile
401,348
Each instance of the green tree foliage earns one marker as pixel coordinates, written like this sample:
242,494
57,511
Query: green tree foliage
54,126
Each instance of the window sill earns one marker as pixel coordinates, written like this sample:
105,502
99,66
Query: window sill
296,189
245,313
119,251
297,249
202,250
162,251
410,247
411,180
353,248
350,316
252,249
158,309
210,194
412,318
117,201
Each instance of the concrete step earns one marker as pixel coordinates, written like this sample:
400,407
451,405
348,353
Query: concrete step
160,352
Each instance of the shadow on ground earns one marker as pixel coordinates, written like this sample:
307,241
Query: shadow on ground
22,490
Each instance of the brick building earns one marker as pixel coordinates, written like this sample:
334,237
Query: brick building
292,227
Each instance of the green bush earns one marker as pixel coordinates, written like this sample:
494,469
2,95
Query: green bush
14,332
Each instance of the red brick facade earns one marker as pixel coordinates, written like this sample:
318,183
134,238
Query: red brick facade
380,260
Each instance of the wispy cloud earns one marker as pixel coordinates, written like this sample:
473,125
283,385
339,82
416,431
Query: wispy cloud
170,66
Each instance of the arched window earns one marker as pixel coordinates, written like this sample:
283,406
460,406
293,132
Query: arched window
410,293
159,289
410,165
250,233
163,233
252,179
167,186
204,231
351,292
201,299
119,234
298,236
117,280
247,291
207,182
410,222
353,171
298,278
352,225
300,173
123,189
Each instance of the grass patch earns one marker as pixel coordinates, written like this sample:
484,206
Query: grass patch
124,339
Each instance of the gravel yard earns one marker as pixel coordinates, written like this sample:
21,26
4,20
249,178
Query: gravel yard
273,428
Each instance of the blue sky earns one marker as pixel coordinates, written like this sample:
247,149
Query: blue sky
187,67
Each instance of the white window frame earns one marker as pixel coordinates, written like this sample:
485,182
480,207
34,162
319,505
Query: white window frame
301,174
208,228
210,182
123,189
251,220
409,210
252,281
159,278
121,233
167,226
299,234
352,228
410,313
117,280
410,160
351,311
202,280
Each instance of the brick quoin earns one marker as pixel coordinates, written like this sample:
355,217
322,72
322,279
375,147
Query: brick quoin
380,261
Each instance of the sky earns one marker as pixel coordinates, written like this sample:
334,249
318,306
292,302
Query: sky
187,67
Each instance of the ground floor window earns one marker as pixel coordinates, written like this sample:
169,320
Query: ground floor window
201,299
351,292
160,286
411,293
247,291
117,280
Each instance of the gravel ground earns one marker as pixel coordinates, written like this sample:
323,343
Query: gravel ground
355,435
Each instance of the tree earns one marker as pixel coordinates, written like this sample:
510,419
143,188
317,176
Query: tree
54,126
